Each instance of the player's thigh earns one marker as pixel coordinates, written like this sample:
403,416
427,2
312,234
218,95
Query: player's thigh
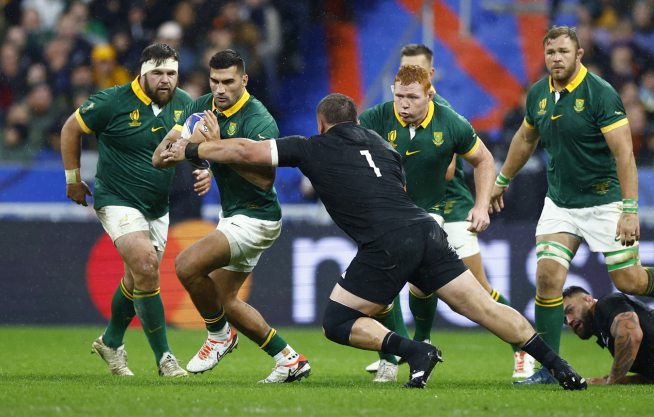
353,301
204,256
119,221
630,280
466,296
554,253
228,283
248,238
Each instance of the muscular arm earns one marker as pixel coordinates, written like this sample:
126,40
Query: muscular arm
451,169
157,160
484,165
628,335
523,145
237,151
71,149
619,141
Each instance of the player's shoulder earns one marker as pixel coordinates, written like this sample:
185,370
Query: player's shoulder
204,102
542,85
379,109
612,300
182,97
440,101
449,116
596,83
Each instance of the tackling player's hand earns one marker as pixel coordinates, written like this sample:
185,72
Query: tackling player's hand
176,151
213,128
203,184
497,198
600,380
479,218
78,192
628,229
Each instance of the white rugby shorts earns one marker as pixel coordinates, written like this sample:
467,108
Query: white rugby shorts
595,225
463,242
248,238
121,220
439,219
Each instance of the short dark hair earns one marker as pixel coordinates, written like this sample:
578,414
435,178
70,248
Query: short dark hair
574,290
227,59
416,49
159,52
337,108
558,31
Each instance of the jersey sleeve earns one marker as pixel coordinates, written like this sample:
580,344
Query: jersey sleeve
371,119
95,113
529,113
261,128
610,306
466,141
188,110
609,110
292,151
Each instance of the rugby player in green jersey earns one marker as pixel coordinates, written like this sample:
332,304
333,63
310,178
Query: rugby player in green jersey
593,183
213,269
131,196
457,203
427,135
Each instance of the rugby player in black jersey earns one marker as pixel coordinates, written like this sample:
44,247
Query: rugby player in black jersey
360,180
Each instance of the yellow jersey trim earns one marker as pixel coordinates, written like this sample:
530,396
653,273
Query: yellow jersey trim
574,83
178,128
473,150
83,125
236,107
615,125
430,114
528,125
136,87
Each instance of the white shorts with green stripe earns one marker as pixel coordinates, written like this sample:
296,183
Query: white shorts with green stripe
594,225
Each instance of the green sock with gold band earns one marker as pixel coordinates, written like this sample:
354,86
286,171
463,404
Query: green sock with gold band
423,309
400,326
215,322
650,281
273,343
122,313
150,309
549,321
500,299
387,318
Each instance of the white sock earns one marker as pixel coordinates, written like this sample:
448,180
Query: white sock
288,358
221,335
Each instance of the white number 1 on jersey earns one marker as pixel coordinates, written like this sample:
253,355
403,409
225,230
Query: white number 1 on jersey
371,162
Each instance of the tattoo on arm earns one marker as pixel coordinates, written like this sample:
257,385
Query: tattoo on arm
625,326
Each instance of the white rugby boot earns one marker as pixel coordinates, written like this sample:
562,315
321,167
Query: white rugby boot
212,352
116,359
294,371
169,366
524,365
387,372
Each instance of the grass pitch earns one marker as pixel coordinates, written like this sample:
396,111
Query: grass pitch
49,371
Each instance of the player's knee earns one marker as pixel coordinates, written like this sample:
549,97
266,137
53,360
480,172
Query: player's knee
338,321
146,269
183,268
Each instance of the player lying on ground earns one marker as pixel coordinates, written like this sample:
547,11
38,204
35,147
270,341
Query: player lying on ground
360,180
622,324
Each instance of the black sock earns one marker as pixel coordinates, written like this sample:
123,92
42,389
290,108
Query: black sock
537,348
397,345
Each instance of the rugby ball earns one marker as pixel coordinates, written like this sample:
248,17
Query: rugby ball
191,123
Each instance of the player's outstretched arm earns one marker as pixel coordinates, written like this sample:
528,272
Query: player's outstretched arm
171,137
628,335
239,151
71,149
522,147
619,141
484,165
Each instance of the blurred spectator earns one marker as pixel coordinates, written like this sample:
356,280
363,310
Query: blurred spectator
106,71
128,52
512,122
629,94
14,146
646,156
36,74
90,29
43,113
637,122
171,33
622,65
193,89
79,50
56,59
646,91
49,11
11,75
593,55
136,19
643,27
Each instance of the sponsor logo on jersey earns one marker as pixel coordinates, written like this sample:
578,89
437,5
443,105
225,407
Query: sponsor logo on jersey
602,188
542,104
449,205
438,138
392,135
232,129
178,114
87,108
579,105
556,117
135,118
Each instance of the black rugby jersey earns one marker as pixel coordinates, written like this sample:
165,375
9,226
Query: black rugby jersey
359,178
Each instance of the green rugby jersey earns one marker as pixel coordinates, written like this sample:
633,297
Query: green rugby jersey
425,157
248,118
581,170
458,200
128,134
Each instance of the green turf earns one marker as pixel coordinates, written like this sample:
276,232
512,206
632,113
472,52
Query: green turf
50,371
